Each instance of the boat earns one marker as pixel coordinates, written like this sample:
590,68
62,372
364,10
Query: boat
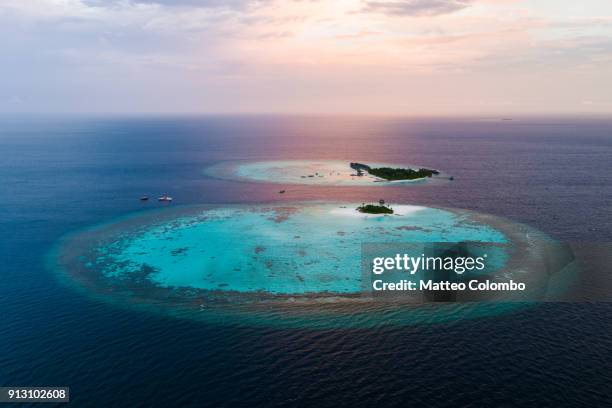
165,198
144,198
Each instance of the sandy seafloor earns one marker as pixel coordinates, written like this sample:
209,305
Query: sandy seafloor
297,258
311,172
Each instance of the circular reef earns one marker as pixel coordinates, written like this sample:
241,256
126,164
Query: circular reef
326,173
293,264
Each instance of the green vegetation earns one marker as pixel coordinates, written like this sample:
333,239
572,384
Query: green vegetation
375,209
390,174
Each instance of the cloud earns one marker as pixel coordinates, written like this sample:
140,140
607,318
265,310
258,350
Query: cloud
173,3
303,55
416,7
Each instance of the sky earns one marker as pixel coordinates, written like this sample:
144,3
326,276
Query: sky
379,57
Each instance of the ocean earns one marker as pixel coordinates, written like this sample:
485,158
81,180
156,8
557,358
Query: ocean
62,174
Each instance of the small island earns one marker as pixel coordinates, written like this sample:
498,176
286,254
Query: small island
391,174
327,172
375,209
394,174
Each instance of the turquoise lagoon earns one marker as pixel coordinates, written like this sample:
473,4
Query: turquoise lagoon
312,172
301,258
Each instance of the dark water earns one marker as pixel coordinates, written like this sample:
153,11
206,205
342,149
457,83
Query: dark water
59,175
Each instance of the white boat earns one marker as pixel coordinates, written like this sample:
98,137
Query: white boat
165,198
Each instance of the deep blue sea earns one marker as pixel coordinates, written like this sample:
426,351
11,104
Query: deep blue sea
61,174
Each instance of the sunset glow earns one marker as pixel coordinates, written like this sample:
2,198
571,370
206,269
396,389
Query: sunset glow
421,57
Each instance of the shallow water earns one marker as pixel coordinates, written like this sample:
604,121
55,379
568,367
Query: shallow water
64,175
292,249
304,264
312,172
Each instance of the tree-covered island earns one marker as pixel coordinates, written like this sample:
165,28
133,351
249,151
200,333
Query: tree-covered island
375,209
391,174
